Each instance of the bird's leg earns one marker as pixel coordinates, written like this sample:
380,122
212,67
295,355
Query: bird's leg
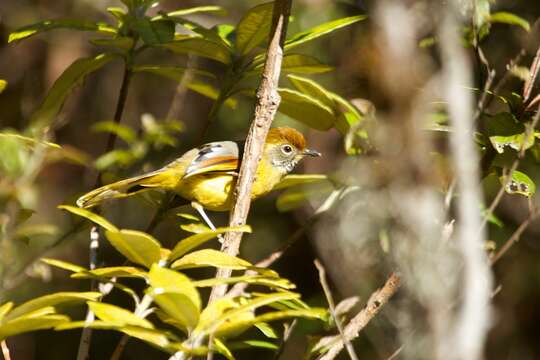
205,217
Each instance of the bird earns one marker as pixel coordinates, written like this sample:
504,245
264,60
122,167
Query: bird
207,175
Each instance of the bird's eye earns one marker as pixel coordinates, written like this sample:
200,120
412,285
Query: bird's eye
287,149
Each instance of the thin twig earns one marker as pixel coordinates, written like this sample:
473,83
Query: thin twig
84,345
396,353
514,238
5,350
287,332
376,301
332,308
533,74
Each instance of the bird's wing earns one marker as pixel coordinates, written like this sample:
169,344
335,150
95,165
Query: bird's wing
221,156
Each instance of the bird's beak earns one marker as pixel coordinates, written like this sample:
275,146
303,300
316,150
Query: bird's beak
309,152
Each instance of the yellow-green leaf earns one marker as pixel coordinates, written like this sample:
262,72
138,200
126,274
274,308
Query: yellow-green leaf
176,295
249,279
301,179
114,271
309,87
193,241
321,30
26,324
520,184
63,265
3,85
137,246
201,47
118,316
90,216
254,28
510,19
68,80
60,298
47,25
222,349
4,309
210,257
306,109
198,9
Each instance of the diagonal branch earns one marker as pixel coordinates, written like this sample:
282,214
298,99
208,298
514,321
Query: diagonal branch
357,323
265,109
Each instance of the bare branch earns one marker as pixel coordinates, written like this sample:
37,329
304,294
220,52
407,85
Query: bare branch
533,74
332,307
265,109
5,350
375,303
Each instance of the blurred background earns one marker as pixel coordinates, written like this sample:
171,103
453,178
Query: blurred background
348,239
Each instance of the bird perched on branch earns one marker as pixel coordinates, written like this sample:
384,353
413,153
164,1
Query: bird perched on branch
207,175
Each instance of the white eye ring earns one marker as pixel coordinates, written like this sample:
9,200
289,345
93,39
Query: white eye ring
287,149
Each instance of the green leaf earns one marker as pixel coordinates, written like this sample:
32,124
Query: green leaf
210,257
172,72
118,316
25,324
47,25
90,216
4,309
60,298
311,88
63,265
120,42
249,344
520,183
306,109
267,330
70,78
303,64
295,197
193,241
137,246
176,295
201,47
154,32
216,309
516,142
122,131
198,9
254,28
110,272
295,180
321,30
227,321
222,349
273,282
510,19
3,85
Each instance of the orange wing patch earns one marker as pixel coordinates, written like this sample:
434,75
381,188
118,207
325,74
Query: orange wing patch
219,156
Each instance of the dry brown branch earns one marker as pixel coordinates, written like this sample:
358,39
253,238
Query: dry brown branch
5,350
332,308
265,109
375,303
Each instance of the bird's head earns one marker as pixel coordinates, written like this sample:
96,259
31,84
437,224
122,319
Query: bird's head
285,147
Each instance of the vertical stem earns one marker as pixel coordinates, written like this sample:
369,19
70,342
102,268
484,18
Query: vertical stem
5,350
86,336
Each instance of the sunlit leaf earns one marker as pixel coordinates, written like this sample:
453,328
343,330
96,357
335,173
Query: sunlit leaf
117,315
311,88
60,298
321,30
249,344
295,197
154,32
104,223
68,80
520,183
254,28
198,9
137,246
122,131
222,349
30,230
306,109
25,324
70,24
63,265
176,295
210,257
267,330
193,241
277,282
4,309
516,142
3,85
113,271
28,140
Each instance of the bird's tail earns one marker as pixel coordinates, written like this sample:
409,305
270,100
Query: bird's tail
123,188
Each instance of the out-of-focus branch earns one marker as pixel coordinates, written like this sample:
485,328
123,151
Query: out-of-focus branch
332,308
533,74
514,238
5,350
473,318
375,303
265,109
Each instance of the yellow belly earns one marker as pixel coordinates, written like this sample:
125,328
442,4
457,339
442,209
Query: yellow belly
214,191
